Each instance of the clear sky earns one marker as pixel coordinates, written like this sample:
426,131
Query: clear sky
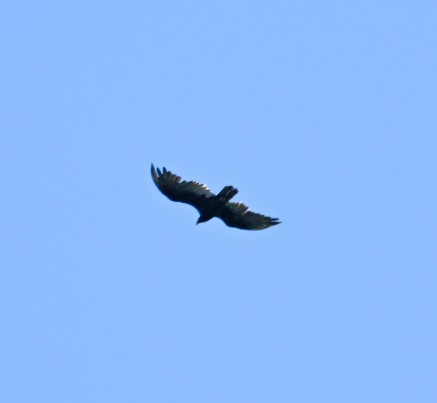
321,113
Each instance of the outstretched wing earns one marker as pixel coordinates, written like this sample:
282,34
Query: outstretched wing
193,193
238,215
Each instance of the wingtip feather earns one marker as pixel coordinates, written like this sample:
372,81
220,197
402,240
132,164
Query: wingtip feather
153,172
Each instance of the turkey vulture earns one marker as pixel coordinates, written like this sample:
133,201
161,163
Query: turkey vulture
208,204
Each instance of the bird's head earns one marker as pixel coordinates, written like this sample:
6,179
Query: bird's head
201,219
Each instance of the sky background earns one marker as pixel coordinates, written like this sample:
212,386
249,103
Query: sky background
321,113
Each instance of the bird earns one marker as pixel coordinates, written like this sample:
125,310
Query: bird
208,204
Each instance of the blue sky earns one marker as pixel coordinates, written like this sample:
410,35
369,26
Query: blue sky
322,114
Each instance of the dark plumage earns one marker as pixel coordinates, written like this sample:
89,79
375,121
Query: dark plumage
208,204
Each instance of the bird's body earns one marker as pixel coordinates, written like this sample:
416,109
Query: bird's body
208,204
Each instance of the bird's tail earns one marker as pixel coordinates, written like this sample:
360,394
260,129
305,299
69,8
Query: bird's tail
227,193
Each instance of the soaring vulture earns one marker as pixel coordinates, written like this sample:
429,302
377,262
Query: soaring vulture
208,204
